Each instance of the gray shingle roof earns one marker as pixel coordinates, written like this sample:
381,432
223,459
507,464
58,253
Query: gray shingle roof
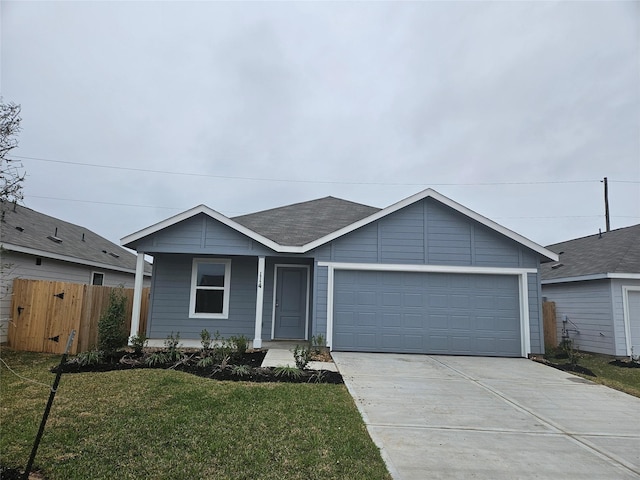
617,251
301,223
27,228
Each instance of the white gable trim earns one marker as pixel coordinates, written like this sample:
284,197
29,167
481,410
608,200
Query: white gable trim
595,276
131,239
66,258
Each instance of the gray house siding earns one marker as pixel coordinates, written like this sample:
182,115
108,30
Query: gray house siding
587,305
171,292
20,265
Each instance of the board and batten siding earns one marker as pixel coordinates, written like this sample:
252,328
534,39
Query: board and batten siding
588,305
201,235
429,233
21,265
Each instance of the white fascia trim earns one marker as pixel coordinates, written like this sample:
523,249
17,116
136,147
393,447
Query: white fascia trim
429,192
211,213
595,276
626,317
66,258
400,267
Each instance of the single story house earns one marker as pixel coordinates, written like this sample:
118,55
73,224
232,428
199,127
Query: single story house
425,275
37,246
596,288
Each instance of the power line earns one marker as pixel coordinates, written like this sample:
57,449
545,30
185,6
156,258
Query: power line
288,180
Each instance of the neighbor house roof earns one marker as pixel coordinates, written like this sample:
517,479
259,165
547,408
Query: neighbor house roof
26,231
318,227
301,223
614,254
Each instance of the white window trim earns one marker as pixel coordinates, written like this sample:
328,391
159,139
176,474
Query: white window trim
93,274
521,273
227,287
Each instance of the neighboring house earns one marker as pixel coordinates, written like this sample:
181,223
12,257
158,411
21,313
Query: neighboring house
425,275
37,246
596,288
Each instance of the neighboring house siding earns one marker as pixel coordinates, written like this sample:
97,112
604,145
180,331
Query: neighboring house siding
588,305
19,265
618,313
171,292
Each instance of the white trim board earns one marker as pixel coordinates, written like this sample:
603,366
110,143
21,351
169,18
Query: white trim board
523,288
595,276
130,240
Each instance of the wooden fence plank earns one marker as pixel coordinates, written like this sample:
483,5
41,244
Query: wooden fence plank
550,326
39,314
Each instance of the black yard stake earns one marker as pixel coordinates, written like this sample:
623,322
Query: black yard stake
47,409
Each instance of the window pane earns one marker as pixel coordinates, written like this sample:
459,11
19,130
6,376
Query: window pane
98,279
211,275
209,301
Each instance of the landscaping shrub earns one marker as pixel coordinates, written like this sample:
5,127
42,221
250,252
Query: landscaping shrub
112,333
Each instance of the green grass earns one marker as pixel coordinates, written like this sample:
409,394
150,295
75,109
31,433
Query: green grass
165,424
623,379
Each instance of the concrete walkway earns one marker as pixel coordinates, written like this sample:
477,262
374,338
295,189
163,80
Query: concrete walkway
282,356
443,417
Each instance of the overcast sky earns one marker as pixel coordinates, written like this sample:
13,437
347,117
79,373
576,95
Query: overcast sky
135,111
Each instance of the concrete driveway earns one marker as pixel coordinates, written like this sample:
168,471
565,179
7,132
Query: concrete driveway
491,418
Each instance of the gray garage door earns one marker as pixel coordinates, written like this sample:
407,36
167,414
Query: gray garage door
435,313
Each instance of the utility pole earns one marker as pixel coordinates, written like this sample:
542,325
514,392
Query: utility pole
606,205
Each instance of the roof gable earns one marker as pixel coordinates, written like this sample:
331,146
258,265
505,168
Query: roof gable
25,230
614,252
316,228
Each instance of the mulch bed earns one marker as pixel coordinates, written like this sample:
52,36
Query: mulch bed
188,364
625,363
565,367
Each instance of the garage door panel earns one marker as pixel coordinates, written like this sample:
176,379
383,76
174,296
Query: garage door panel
427,313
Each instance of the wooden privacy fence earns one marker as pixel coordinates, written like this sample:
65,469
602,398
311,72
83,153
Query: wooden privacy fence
43,311
550,326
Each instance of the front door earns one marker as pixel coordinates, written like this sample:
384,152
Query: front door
291,305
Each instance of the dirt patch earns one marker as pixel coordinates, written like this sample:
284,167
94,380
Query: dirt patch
15,474
625,363
565,367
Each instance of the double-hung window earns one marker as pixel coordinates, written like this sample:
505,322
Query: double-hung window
210,282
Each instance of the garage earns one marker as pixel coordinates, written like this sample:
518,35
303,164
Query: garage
432,313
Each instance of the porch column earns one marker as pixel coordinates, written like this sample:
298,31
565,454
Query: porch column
137,295
257,340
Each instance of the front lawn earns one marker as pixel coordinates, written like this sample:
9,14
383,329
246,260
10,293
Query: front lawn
166,424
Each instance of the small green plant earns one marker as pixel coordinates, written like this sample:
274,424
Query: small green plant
302,356
568,347
241,370
206,362
138,342
287,371
240,343
92,357
205,340
317,377
172,345
221,348
112,333
155,359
